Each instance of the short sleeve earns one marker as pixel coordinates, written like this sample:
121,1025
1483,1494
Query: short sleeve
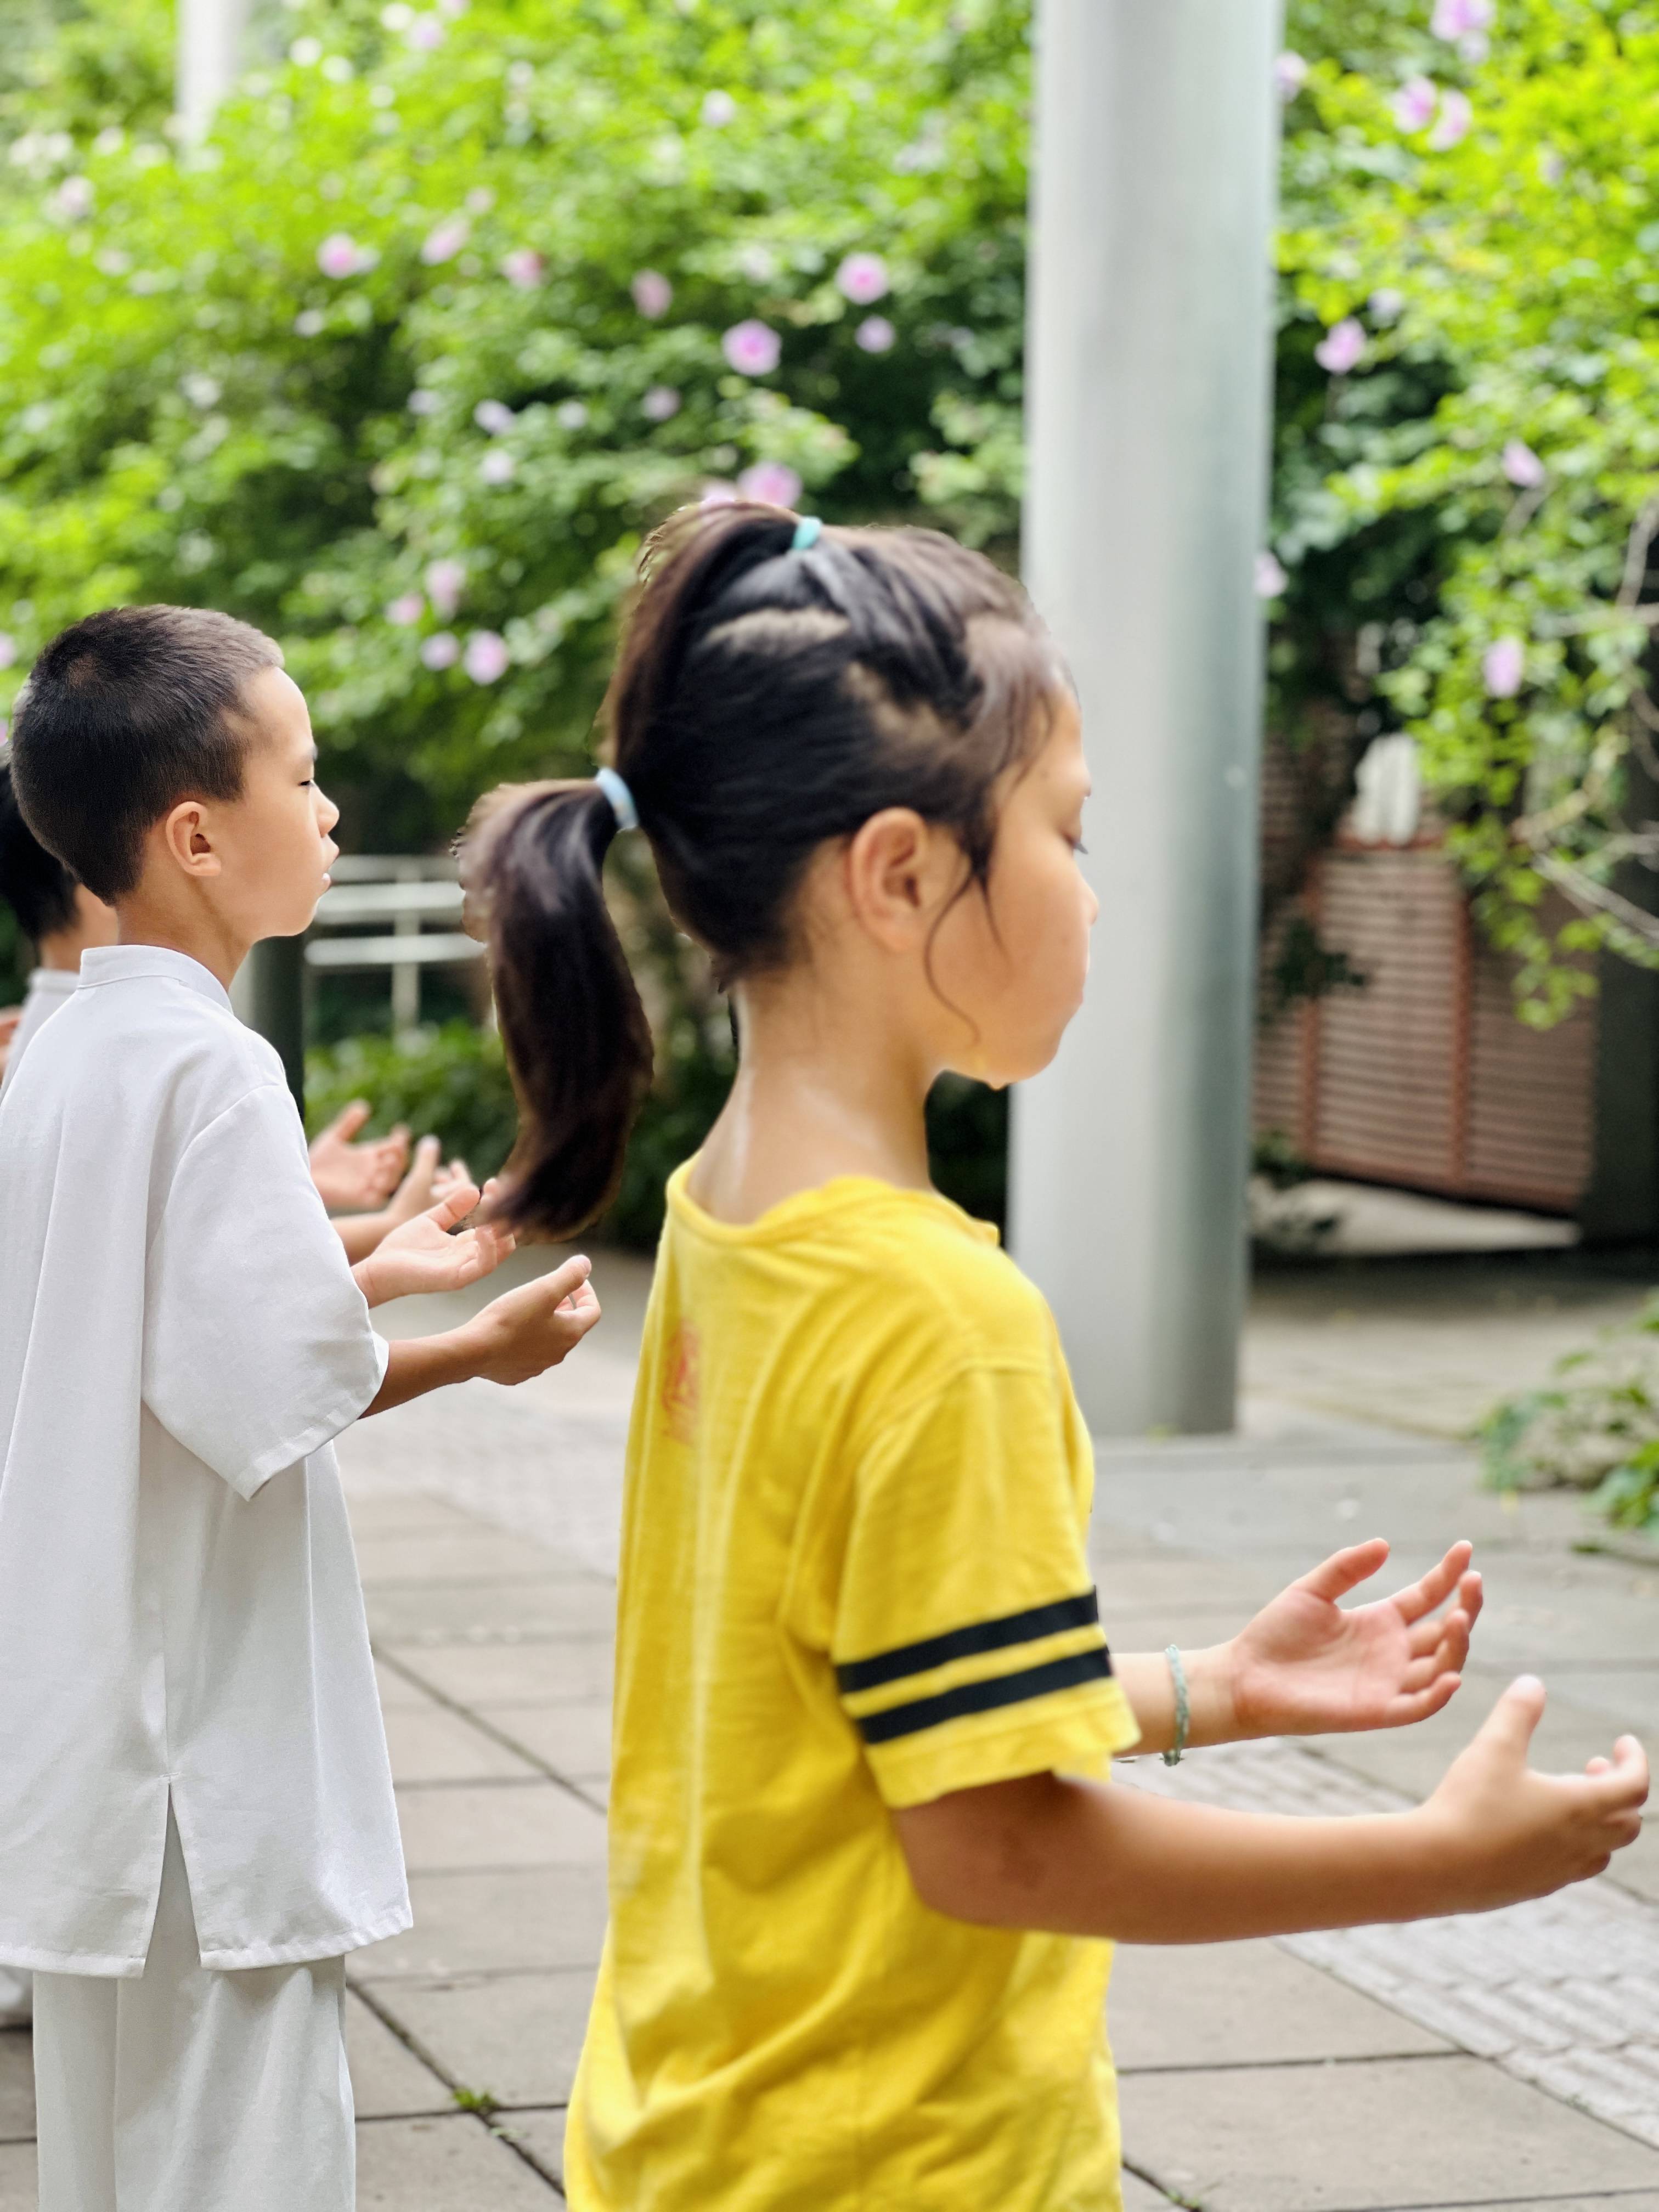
257,1345
968,1644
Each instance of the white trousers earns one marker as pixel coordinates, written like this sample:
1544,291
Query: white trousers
185,2091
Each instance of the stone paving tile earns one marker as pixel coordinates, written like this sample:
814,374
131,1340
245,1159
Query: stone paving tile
1245,2004
517,2036
1378,2133
1139,2195
541,2135
17,2189
472,1923
430,1744
573,1740
512,1824
544,1670
471,1553
441,1613
444,2166
16,2086
387,2080
405,1511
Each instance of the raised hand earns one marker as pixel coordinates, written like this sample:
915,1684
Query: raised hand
527,1331
427,1254
1506,1831
9,1017
1306,1665
356,1178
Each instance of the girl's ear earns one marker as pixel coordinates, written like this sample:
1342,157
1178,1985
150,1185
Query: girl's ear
896,874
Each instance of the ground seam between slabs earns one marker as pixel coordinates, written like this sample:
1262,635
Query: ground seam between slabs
488,1728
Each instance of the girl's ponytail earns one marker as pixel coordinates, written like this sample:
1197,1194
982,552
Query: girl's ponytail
577,1039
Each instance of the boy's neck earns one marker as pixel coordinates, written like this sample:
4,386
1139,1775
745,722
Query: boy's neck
202,936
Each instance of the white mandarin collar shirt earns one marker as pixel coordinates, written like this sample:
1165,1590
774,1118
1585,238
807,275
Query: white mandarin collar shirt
181,1617
50,989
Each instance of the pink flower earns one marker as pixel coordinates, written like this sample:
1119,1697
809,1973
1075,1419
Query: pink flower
1521,465
1270,577
498,466
1455,116
862,278
1415,102
752,347
1503,666
660,404
486,657
523,267
653,294
73,197
718,495
493,416
441,650
1342,347
445,582
340,255
444,243
7,650
774,483
875,334
719,109
1459,19
426,34
1385,304
1289,75
408,609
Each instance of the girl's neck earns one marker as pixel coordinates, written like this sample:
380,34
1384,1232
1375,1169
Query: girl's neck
822,1090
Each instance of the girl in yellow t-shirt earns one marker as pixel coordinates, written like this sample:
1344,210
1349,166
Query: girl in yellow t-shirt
863,1869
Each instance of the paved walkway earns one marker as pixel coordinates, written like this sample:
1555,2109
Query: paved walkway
1510,2061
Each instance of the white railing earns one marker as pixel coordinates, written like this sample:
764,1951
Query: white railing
416,896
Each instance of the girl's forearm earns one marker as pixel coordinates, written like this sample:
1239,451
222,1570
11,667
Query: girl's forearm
1076,1859
1150,1687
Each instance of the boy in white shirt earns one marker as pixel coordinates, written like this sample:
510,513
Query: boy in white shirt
196,1812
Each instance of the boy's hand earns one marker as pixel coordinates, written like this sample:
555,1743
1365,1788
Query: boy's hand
426,1254
356,1178
527,1331
1510,1832
9,1017
1305,1665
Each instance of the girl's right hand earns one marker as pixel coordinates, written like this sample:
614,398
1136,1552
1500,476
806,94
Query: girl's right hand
524,1332
1502,1831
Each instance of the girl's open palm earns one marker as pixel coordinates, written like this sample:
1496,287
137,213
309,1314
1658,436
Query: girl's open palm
1306,1664
427,1254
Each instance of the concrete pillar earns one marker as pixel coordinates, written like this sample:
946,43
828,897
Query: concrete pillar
1149,359
208,52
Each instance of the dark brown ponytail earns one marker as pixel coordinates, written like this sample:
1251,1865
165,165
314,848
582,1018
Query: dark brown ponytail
772,692
577,1039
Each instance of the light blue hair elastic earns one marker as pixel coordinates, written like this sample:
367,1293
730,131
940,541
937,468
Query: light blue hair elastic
808,531
621,798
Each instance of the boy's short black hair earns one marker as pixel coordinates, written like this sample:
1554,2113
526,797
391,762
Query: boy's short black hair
39,889
124,714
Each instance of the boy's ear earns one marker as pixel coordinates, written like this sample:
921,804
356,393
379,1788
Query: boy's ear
186,839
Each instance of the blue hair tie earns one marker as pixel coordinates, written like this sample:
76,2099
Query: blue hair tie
621,798
808,531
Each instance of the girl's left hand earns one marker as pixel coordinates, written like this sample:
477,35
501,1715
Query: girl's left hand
426,1254
1306,1665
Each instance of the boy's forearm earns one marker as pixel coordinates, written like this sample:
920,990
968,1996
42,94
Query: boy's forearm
420,1363
1072,1858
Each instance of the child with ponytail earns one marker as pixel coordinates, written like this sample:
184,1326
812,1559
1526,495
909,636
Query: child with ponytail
862,1852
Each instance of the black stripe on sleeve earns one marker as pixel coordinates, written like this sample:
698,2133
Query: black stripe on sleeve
1025,1627
986,1697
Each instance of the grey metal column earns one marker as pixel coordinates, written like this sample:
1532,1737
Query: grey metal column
1157,137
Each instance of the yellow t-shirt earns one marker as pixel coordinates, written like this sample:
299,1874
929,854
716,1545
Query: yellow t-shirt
852,1578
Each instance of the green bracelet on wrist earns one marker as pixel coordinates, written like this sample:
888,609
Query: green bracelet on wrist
1184,1706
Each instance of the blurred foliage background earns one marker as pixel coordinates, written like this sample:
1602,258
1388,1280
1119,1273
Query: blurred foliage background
459,300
